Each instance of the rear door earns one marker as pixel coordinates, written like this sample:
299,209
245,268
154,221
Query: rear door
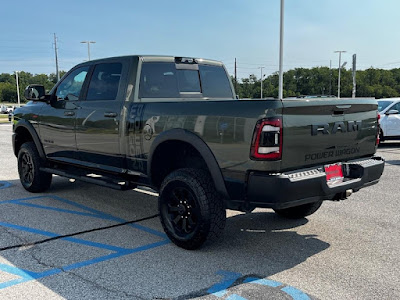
99,116
321,131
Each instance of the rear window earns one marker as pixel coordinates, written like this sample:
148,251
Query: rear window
164,80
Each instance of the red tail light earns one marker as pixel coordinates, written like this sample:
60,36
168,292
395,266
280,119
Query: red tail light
267,140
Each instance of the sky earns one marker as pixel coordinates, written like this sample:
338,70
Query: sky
247,30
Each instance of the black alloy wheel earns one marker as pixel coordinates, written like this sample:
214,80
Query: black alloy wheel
27,172
191,211
182,211
29,163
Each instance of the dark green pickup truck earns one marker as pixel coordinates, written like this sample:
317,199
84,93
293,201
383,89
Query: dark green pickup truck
175,125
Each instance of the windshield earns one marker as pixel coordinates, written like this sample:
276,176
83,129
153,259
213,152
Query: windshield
383,104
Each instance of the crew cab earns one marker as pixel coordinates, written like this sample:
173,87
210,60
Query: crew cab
174,124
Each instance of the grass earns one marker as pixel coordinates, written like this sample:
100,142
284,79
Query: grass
3,118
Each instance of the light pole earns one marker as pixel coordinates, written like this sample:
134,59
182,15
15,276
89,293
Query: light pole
88,46
281,52
340,67
261,81
16,79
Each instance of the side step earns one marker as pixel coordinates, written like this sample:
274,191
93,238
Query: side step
101,180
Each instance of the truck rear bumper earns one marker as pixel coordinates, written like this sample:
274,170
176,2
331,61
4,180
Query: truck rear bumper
299,187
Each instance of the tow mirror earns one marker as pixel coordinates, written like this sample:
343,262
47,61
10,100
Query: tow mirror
392,112
35,92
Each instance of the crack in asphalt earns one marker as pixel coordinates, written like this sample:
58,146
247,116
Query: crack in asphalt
75,233
14,235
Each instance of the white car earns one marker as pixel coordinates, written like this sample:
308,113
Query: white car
389,110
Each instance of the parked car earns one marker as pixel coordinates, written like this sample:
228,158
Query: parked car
389,119
3,109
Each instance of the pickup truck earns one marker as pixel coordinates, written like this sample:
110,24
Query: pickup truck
174,124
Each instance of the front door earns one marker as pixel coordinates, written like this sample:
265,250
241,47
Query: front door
57,121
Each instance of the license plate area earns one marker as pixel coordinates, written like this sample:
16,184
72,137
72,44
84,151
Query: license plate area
334,174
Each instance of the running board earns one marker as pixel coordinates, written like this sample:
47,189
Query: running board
93,178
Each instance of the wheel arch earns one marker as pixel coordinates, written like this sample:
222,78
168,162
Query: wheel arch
178,139
25,132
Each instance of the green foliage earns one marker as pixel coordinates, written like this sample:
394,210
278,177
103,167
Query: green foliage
372,82
8,85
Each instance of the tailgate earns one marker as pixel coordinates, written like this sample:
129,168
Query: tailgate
321,131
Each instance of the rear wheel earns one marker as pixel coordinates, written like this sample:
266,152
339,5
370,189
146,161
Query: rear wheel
29,163
191,211
298,212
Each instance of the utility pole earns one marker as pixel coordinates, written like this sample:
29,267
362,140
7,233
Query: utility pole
340,67
88,46
261,81
281,52
16,79
353,94
56,53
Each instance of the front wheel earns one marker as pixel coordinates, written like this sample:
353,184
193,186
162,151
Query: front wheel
29,163
191,211
298,212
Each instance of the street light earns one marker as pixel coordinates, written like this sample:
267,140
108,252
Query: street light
340,67
16,79
261,81
280,88
88,46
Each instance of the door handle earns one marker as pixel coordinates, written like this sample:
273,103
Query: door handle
69,113
110,114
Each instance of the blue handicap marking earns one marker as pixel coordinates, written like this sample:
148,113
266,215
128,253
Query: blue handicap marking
221,289
267,282
235,297
26,275
4,184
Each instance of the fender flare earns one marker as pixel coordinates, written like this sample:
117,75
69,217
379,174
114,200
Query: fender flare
35,137
196,142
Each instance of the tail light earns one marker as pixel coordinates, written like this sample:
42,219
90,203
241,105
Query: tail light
267,140
378,117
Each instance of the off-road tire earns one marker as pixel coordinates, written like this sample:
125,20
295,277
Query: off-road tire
298,212
29,163
191,210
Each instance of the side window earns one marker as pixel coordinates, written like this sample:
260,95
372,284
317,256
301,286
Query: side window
396,107
104,82
158,80
71,86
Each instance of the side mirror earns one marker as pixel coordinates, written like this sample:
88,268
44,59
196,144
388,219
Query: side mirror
34,92
392,112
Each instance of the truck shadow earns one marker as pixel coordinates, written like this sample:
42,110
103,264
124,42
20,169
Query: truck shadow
258,243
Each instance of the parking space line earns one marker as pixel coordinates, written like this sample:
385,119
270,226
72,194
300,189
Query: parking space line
4,185
90,211
26,275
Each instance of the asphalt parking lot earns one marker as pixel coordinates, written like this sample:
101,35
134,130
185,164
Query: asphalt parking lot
83,241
